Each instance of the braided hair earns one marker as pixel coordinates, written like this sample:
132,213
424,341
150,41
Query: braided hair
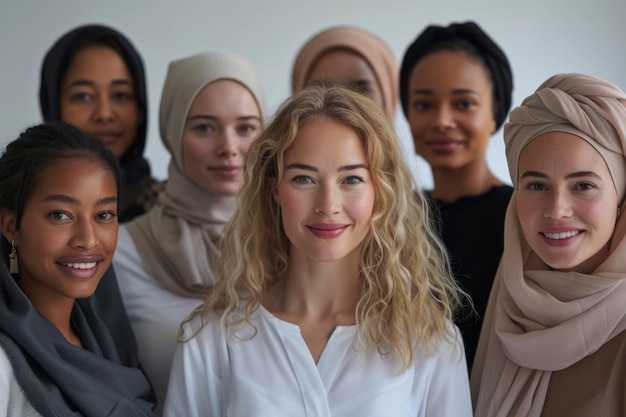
35,149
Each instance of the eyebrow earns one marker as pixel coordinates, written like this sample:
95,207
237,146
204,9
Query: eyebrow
306,167
578,174
75,202
89,83
456,91
209,117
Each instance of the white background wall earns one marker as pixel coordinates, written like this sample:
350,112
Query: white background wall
541,38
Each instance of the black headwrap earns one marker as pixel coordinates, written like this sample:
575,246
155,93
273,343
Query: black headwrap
490,53
56,63
60,379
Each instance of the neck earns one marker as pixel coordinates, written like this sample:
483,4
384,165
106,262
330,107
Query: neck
58,313
471,180
318,290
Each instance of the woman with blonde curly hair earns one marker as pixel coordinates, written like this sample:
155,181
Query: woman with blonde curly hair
329,301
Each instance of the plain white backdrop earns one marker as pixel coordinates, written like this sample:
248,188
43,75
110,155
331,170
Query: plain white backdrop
540,37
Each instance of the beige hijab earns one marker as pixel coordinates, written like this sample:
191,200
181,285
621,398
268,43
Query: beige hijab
178,239
369,46
540,320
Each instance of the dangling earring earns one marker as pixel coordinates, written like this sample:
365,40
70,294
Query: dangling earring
13,264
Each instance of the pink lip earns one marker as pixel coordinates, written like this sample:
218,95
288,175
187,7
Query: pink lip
444,145
327,230
108,136
226,171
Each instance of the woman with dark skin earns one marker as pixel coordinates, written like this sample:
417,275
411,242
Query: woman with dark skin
455,89
93,78
59,195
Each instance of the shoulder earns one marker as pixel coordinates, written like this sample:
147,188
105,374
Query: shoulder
447,349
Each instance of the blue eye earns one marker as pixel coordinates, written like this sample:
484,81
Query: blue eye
354,180
535,186
302,179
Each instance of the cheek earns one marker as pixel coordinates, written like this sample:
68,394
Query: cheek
291,207
362,206
194,152
527,215
417,124
77,116
604,219
244,146
130,115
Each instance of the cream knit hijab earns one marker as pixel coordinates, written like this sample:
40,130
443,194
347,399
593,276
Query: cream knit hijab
178,239
540,320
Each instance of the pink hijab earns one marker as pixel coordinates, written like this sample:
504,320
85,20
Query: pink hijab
369,46
541,320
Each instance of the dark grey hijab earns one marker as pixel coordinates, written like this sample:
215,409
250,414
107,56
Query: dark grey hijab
60,379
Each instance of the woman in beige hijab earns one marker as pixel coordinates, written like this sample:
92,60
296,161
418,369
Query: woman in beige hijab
553,342
211,110
351,56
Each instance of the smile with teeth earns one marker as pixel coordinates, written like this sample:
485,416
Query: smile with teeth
561,235
81,265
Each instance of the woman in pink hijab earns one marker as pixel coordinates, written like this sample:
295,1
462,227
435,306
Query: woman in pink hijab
554,340
353,57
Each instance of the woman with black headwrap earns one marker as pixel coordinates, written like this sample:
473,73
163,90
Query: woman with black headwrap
93,78
455,90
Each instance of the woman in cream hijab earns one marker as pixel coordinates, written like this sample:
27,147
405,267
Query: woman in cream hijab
553,342
351,56
211,110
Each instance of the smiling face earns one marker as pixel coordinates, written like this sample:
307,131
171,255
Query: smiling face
223,121
97,95
566,202
68,231
326,194
450,110
342,66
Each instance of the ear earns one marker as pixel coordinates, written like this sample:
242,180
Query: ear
7,222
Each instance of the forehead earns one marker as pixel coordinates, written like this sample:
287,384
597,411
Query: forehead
341,64
65,176
97,62
224,97
326,141
452,69
560,153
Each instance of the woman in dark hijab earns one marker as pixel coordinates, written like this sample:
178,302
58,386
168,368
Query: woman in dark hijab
93,78
455,90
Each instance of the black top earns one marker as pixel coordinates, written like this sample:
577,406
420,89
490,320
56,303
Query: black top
472,228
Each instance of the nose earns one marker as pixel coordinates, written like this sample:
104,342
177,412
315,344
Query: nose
328,200
103,110
443,117
558,206
228,145
84,235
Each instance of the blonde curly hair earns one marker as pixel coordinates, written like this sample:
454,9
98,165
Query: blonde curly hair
408,293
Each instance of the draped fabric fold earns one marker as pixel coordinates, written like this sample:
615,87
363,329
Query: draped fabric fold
178,240
540,320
